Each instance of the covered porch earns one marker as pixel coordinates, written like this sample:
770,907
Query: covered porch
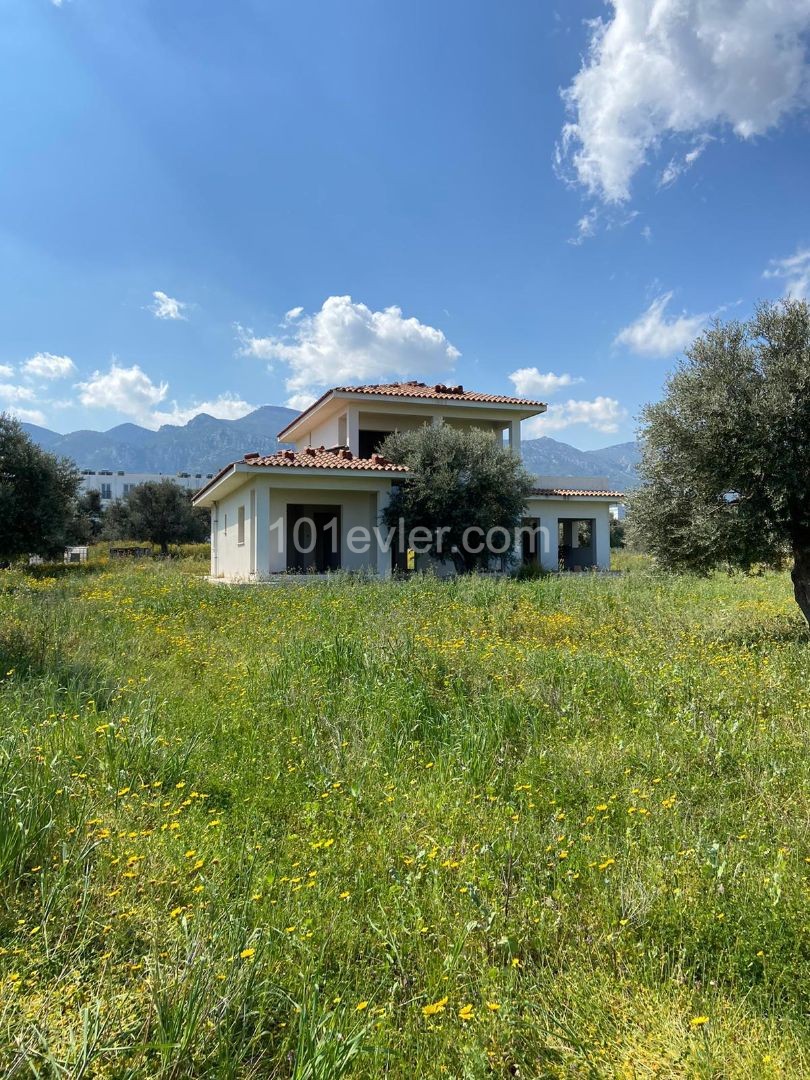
572,531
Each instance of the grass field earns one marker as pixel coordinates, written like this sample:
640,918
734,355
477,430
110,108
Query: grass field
487,829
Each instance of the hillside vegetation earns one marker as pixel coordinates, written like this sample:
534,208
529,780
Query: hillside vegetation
483,829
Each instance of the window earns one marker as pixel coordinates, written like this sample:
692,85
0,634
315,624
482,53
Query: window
106,491
226,525
240,525
128,488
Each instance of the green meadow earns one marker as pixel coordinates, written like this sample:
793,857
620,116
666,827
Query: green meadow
490,828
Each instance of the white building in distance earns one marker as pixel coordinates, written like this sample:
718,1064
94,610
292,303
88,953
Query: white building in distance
112,485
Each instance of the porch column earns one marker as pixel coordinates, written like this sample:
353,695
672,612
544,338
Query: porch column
601,538
353,429
262,559
549,542
383,556
514,436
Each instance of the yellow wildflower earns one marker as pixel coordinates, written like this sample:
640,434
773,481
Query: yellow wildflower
436,1007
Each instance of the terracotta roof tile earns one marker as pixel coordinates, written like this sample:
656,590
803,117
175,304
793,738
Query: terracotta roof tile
563,492
319,458
438,391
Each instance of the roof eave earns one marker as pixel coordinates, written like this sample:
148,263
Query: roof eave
203,496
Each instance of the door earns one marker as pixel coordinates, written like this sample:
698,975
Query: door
313,538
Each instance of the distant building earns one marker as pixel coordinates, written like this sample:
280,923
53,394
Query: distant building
115,485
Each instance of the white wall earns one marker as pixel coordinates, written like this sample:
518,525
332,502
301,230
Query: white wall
550,511
229,559
266,499
325,434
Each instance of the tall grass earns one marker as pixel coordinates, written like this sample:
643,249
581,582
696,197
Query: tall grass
479,829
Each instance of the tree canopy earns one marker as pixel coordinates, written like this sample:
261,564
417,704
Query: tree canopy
461,480
37,496
159,511
726,453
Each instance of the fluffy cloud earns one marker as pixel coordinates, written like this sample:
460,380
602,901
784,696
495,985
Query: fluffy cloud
794,271
225,407
603,414
166,307
31,416
653,334
130,391
47,366
531,383
658,68
11,393
346,342
127,390
6,371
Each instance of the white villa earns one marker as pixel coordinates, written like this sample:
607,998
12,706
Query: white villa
317,507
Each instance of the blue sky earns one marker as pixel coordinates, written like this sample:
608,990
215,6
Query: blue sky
501,190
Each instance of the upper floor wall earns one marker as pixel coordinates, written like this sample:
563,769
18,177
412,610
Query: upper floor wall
361,417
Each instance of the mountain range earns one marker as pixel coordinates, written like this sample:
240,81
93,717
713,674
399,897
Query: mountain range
205,444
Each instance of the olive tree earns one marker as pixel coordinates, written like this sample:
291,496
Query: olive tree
461,480
37,496
159,511
725,462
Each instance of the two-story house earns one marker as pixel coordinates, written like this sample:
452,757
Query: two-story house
317,507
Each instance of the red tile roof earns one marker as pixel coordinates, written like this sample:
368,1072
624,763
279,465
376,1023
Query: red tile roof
438,391
564,492
414,389
319,458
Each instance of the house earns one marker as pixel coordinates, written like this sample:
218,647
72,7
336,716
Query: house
317,507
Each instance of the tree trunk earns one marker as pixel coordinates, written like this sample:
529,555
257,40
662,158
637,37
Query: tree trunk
801,579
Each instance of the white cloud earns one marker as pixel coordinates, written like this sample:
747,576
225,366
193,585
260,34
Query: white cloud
603,414
10,392
293,314
46,365
346,342
678,166
653,334
166,307
225,407
662,68
31,416
127,390
130,391
6,371
586,227
794,271
531,383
